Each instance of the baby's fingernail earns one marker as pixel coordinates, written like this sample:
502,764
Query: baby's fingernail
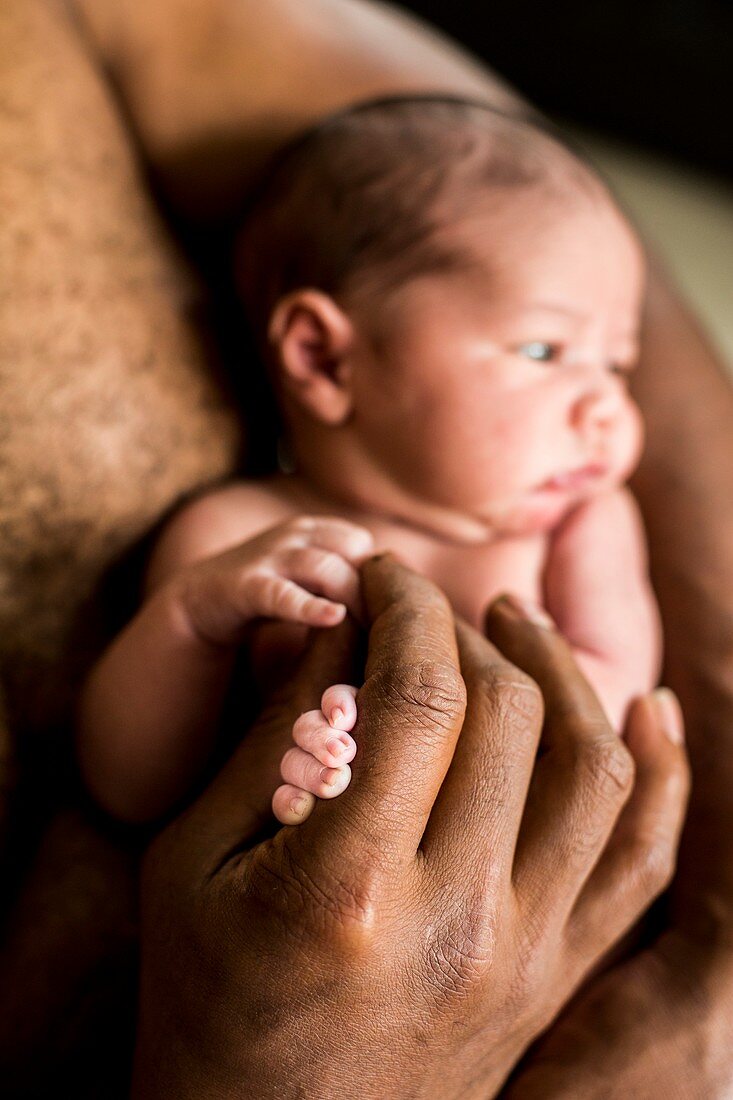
525,609
330,776
669,714
337,715
335,747
300,805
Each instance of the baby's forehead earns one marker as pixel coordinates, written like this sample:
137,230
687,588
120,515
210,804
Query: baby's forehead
541,225
581,257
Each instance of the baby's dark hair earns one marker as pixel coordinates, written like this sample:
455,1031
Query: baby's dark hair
366,194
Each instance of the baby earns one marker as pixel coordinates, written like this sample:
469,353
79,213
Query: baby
448,302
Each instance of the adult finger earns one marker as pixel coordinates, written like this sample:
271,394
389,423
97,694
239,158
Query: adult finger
477,814
410,713
640,857
584,772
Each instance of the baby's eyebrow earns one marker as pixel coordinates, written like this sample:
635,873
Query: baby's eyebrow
554,307
632,335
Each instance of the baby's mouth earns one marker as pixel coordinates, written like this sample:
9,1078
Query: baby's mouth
578,479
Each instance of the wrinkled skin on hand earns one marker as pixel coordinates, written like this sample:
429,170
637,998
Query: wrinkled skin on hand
415,934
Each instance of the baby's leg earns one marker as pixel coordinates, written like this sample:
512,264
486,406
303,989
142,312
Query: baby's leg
318,765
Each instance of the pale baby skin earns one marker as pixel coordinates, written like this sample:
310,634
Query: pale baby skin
476,421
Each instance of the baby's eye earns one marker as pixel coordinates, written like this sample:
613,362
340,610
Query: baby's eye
539,351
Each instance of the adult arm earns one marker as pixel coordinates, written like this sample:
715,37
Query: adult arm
108,415
212,89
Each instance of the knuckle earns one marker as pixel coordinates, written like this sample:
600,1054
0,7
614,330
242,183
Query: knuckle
328,564
307,723
607,768
318,563
462,953
286,598
517,694
428,691
289,761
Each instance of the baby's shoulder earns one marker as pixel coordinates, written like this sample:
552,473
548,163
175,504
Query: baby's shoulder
213,522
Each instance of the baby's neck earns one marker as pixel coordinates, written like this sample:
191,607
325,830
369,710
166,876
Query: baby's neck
345,479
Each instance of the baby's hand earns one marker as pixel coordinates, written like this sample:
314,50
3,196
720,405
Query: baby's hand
319,765
302,571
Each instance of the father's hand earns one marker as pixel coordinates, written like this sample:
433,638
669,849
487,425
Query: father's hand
415,934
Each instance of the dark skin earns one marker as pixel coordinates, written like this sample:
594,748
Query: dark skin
428,889
68,515
98,284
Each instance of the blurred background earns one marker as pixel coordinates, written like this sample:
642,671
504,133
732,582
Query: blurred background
646,88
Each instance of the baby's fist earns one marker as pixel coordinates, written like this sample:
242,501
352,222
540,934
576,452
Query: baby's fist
318,765
302,571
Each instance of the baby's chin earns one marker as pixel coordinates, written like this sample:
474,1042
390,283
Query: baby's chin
535,513
528,513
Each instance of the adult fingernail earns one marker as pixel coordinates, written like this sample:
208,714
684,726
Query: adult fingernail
669,714
525,609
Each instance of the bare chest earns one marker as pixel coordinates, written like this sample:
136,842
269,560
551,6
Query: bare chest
470,576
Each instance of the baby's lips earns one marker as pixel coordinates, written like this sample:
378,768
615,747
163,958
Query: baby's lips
578,478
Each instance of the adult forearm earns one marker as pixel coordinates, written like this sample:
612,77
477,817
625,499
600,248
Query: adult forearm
107,417
685,487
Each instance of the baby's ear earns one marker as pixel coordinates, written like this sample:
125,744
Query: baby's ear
311,339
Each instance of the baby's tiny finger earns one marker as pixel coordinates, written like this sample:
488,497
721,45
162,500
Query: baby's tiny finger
312,733
338,703
323,572
340,536
303,770
291,805
278,597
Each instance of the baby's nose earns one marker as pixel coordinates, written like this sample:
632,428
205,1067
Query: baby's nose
598,408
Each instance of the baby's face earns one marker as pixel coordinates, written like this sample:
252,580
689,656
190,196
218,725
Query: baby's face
501,397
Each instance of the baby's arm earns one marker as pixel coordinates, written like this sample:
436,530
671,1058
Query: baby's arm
598,592
149,712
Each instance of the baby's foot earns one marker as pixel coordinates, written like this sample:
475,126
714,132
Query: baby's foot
319,764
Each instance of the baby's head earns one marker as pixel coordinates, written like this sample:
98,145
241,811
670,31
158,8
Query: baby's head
449,301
